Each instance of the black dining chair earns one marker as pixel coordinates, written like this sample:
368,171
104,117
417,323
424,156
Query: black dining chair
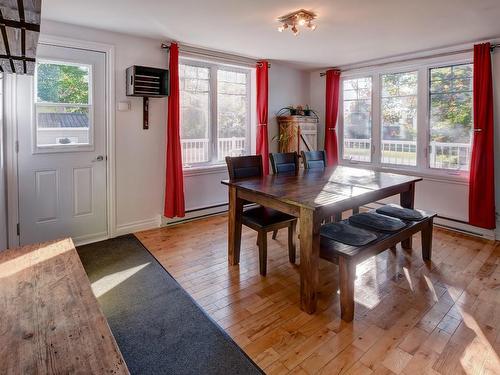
284,162
261,219
314,159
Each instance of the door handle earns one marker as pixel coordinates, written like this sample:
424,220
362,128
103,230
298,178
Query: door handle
98,158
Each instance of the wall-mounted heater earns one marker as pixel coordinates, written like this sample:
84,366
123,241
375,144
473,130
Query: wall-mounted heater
147,83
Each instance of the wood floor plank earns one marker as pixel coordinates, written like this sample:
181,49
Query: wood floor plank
410,317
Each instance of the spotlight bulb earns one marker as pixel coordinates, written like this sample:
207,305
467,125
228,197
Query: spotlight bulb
302,22
295,30
311,25
280,29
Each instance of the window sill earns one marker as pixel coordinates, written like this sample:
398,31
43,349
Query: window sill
205,169
429,174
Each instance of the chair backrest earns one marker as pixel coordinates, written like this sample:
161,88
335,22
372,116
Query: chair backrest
283,162
241,167
314,159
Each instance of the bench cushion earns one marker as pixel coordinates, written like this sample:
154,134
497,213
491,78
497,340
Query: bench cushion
399,212
262,216
377,222
347,234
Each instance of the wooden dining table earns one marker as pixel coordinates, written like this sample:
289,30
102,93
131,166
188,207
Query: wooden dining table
313,196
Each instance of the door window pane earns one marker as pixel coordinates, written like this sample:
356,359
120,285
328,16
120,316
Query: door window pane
399,118
195,113
63,104
357,97
451,117
232,113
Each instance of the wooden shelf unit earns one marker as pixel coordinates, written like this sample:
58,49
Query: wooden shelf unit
300,131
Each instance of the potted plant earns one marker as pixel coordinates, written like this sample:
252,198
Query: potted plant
307,111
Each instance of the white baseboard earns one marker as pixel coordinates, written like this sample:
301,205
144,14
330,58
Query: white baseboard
195,214
137,226
84,240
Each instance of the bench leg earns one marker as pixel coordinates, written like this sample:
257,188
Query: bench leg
355,210
337,217
291,241
427,241
262,240
347,274
275,233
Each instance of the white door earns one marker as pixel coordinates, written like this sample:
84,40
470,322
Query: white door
62,147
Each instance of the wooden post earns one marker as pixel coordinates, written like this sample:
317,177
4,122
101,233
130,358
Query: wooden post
407,200
309,259
347,274
234,227
145,113
427,241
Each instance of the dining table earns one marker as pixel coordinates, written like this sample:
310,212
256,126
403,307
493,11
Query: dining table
313,196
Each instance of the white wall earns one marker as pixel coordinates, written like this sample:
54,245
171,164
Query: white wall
287,86
140,154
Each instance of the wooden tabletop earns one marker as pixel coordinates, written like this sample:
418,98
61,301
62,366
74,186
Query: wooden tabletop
320,188
50,321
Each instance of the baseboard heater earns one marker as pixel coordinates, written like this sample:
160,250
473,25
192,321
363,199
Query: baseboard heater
218,209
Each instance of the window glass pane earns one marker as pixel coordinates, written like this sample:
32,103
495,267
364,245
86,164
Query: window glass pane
62,125
450,117
63,104
194,84
357,94
63,83
399,118
232,116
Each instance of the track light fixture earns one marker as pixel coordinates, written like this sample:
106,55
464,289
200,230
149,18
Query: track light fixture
300,17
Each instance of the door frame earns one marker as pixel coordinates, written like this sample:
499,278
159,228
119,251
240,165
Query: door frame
10,110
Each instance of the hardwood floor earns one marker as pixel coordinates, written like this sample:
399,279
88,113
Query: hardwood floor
409,319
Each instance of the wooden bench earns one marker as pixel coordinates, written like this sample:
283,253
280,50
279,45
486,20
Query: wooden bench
51,322
347,257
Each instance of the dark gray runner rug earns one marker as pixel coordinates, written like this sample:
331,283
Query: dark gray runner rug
157,325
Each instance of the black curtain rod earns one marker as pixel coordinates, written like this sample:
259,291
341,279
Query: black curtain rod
492,48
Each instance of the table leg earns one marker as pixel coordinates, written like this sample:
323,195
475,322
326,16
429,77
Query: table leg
309,259
407,200
234,227
347,274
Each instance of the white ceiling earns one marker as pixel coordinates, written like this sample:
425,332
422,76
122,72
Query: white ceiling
349,31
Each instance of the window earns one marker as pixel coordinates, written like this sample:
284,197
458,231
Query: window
357,98
423,117
450,117
399,118
63,104
215,115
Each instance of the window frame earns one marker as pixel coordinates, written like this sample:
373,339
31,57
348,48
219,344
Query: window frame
214,67
90,146
422,67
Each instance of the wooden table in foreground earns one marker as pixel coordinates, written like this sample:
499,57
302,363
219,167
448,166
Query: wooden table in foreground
312,196
50,321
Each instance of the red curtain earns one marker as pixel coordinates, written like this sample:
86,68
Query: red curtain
262,113
481,184
174,183
331,114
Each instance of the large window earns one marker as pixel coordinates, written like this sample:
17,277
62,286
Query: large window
357,96
215,101
63,105
423,118
399,118
450,117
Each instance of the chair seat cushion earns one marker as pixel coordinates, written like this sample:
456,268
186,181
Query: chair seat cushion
377,222
399,212
347,234
316,164
263,216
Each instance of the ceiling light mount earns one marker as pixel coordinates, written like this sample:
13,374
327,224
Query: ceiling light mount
300,17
